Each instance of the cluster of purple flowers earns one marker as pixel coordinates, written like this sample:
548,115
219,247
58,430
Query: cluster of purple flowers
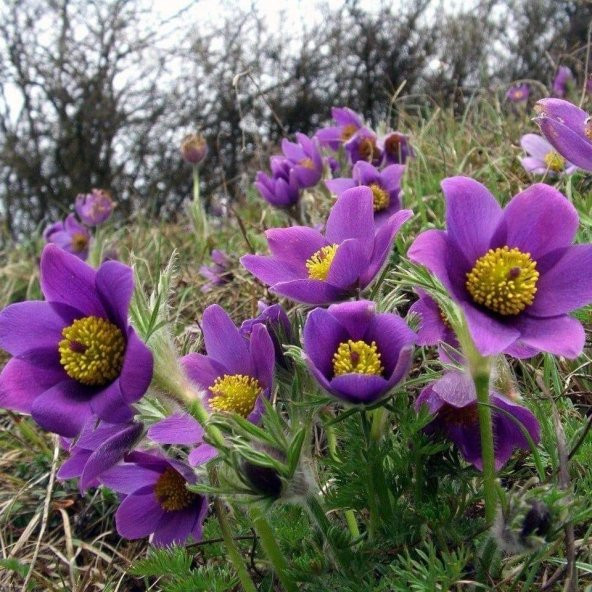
73,234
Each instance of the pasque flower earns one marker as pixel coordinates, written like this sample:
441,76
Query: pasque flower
542,157
194,149
69,235
99,447
94,208
74,354
218,272
453,402
514,272
434,328
363,145
313,268
357,354
563,77
156,499
305,160
518,93
281,189
395,148
385,186
236,373
568,129
348,122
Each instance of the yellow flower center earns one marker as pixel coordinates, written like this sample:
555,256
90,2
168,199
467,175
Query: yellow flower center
92,350
319,264
357,357
380,197
235,393
348,131
79,242
307,163
588,128
518,94
171,491
554,161
367,149
503,280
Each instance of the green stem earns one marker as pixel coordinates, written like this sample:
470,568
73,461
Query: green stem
272,549
352,523
480,375
233,552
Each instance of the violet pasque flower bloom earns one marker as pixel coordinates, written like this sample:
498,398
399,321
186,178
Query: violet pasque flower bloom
542,157
363,146
157,501
355,353
434,328
514,272
518,93
194,149
281,189
563,77
385,186
218,273
97,449
94,208
453,401
568,129
305,159
395,148
70,235
313,268
236,373
74,354
348,123
275,319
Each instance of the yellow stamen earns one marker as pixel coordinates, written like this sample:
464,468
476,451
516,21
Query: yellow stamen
503,280
367,149
357,357
235,393
380,197
588,128
319,263
79,242
554,161
171,491
348,131
307,163
92,350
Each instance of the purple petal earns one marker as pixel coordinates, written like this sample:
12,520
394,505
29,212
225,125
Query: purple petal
262,355
127,478
537,221
431,249
392,335
523,415
223,341
139,514
536,146
355,317
572,146
270,270
179,429
202,454
472,215
456,389
490,336
347,265
562,111
175,527
202,370
115,285
136,372
72,467
109,404
63,409
309,291
68,280
295,245
338,186
359,388
534,165
432,328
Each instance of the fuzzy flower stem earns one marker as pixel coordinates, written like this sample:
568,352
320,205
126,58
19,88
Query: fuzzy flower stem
272,549
198,213
352,523
233,551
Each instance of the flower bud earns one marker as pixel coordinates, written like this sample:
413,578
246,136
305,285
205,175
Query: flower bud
194,148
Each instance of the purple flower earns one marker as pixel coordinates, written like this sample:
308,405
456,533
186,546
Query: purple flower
157,501
357,354
395,148
308,267
95,207
348,123
453,402
385,186
514,272
218,273
281,189
74,354
99,447
194,149
563,77
333,164
305,159
518,93
183,430
568,129
69,235
277,323
363,146
542,157
236,373
433,329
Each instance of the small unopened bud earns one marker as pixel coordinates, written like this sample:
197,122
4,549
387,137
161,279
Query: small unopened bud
537,520
194,148
264,480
